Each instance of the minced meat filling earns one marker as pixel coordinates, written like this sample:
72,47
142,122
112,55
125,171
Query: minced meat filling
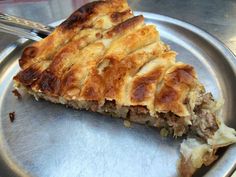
140,114
204,120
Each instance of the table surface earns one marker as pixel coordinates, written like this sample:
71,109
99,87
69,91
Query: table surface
218,17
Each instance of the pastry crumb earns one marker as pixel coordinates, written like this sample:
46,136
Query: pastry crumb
127,123
164,132
17,94
12,116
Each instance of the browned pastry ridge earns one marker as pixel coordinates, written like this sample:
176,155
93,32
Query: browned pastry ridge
105,59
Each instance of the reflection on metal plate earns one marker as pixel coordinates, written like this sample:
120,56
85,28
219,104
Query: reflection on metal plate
49,140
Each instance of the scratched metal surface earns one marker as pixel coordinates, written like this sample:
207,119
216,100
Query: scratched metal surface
49,140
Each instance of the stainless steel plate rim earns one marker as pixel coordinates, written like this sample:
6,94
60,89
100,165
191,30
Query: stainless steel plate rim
204,34
229,57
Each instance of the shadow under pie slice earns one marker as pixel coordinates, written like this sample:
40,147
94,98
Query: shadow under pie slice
105,59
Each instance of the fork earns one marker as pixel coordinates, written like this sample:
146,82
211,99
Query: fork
23,27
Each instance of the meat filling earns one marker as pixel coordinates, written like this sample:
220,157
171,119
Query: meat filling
202,121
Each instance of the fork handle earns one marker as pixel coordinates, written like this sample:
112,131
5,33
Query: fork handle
25,24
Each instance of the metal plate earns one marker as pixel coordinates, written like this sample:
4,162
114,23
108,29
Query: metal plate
49,140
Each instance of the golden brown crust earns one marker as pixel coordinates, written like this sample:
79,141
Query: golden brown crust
122,27
84,13
121,47
67,74
178,82
93,89
140,69
181,75
28,53
99,14
81,15
120,16
141,85
28,76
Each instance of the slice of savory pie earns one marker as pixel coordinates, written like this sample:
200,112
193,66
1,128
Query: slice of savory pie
105,59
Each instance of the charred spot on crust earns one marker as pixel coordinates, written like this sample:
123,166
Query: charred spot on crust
120,28
49,82
117,16
186,100
28,53
99,35
28,76
81,15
